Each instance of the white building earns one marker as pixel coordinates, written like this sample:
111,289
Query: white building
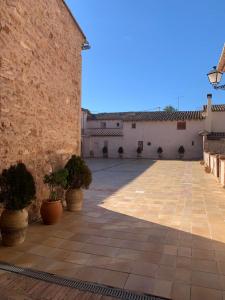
151,130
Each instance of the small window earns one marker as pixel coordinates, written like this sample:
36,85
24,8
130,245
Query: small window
149,143
133,125
103,124
193,143
118,124
181,125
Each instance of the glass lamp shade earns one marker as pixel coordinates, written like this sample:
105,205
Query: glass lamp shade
214,76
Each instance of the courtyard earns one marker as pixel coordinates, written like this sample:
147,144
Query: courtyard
154,227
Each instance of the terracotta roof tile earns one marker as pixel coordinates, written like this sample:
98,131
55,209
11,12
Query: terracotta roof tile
216,107
149,116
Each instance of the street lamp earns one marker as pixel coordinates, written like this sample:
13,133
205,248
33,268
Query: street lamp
215,77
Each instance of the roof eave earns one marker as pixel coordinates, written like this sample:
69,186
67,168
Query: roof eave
221,64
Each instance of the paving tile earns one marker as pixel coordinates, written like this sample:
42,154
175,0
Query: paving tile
181,291
140,283
204,279
198,293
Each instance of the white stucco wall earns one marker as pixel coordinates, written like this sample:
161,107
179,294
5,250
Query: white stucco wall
163,134
218,121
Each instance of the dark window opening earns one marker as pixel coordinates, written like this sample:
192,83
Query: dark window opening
149,143
140,145
181,125
133,125
117,124
193,143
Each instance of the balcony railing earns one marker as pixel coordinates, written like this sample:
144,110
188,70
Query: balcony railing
103,132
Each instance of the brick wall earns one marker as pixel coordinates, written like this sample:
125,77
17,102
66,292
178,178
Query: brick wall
40,75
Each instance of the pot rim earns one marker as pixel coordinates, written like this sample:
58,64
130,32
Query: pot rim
50,201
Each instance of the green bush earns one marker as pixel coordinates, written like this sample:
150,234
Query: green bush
181,150
79,175
54,180
120,150
17,187
160,150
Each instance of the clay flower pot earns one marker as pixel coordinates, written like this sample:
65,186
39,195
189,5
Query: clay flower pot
13,226
51,211
74,199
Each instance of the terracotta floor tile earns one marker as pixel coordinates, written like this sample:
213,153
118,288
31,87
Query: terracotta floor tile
199,293
162,288
100,250
204,265
204,279
140,283
144,268
165,272
183,275
181,291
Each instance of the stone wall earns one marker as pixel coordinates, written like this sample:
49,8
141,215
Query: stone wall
217,146
40,76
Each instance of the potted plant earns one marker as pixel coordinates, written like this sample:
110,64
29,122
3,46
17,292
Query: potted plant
79,177
17,189
105,151
120,151
160,151
51,209
181,152
139,151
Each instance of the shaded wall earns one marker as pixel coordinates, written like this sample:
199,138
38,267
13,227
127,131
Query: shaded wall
40,74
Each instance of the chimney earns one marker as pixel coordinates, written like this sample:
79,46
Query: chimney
209,103
208,119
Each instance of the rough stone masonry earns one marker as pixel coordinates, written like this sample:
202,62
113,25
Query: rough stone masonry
40,79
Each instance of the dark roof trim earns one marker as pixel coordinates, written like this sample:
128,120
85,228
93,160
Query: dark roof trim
216,107
149,116
78,26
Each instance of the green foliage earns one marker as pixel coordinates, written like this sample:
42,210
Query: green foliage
181,150
17,187
139,150
79,175
120,150
54,180
169,108
160,150
104,150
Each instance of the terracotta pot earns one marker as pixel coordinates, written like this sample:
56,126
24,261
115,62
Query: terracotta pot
51,211
13,226
74,199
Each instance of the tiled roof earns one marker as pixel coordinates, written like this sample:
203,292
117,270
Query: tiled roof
149,116
216,135
216,107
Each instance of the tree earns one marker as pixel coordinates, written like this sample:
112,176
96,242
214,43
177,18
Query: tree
169,108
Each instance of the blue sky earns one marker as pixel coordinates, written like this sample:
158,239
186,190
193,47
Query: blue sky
145,54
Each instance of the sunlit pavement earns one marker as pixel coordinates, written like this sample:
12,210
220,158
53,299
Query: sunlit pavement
151,226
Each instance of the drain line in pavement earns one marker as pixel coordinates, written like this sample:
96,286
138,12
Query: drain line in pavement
84,286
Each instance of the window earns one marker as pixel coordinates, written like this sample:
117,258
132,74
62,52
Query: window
149,143
181,125
103,124
193,143
118,124
140,144
133,125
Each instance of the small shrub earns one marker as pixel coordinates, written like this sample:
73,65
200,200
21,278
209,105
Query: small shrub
105,150
120,150
17,187
79,175
160,150
181,150
54,180
139,150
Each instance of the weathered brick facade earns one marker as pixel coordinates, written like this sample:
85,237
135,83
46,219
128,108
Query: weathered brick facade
40,78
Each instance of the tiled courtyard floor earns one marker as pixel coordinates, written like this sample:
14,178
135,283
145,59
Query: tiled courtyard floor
154,227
